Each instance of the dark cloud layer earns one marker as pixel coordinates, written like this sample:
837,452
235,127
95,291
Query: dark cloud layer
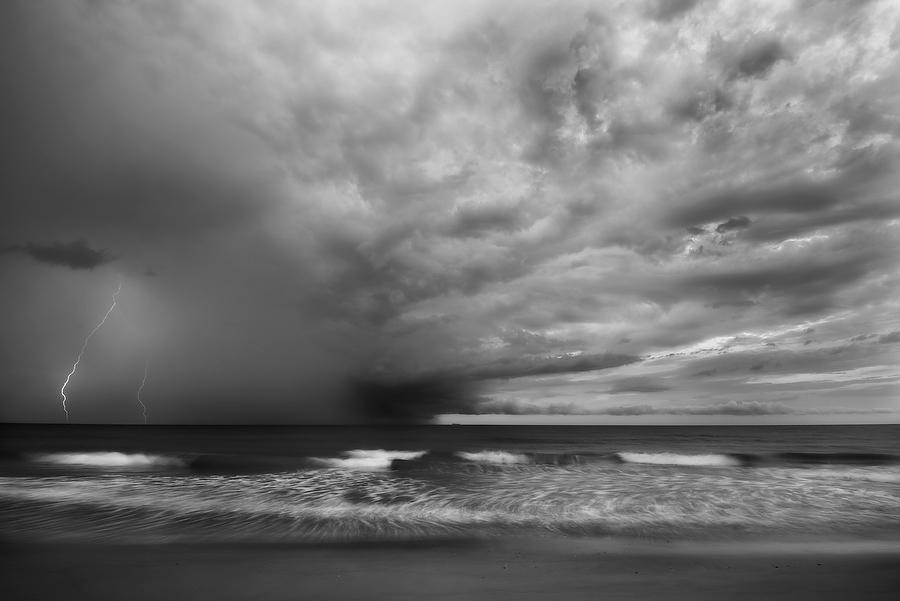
665,10
637,385
735,408
731,408
74,255
734,223
799,197
890,337
413,400
759,57
388,210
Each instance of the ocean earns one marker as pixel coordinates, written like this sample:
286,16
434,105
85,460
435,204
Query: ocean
347,484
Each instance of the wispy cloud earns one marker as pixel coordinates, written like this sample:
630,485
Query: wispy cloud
861,374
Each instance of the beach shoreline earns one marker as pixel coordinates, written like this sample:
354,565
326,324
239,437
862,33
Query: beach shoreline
517,568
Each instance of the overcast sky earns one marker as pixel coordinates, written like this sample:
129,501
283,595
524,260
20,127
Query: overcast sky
580,212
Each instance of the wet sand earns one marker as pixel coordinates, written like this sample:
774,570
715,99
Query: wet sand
512,569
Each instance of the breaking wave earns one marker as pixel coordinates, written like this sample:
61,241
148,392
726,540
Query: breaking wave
338,504
430,460
110,459
711,459
495,457
367,459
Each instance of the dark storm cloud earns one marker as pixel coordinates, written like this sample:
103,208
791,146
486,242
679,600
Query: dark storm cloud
809,284
545,103
666,10
630,385
858,189
733,223
890,337
495,196
420,397
698,104
413,400
787,226
759,56
795,197
479,221
74,255
588,86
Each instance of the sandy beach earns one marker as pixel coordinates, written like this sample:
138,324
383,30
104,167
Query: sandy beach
511,569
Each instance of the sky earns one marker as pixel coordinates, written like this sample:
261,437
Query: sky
462,211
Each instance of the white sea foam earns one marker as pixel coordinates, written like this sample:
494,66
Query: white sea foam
367,459
372,503
110,459
885,475
498,457
713,459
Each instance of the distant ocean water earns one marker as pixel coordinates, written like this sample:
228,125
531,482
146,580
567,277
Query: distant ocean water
332,484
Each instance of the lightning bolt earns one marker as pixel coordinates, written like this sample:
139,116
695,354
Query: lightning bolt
144,381
62,391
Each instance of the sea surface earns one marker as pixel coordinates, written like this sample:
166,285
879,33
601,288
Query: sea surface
336,484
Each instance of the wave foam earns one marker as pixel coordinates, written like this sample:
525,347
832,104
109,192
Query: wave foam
887,476
110,459
714,459
344,504
367,459
495,457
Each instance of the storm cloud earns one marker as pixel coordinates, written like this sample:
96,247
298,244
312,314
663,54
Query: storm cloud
74,255
734,223
396,210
